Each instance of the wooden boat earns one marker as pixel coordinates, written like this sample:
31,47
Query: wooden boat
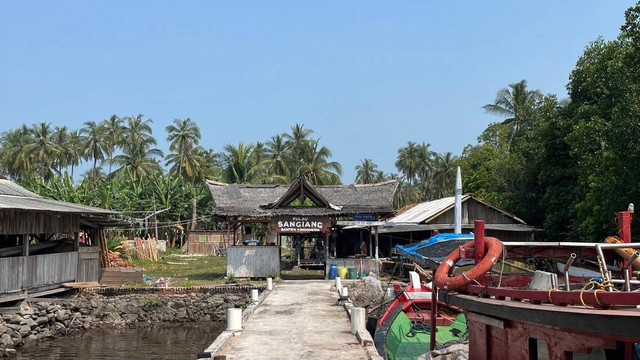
405,332
513,317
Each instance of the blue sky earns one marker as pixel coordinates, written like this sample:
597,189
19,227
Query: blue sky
366,76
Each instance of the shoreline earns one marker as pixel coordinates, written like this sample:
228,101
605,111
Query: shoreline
44,320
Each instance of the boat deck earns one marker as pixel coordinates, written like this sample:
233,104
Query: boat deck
297,321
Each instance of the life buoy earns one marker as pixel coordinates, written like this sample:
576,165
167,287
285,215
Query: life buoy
445,282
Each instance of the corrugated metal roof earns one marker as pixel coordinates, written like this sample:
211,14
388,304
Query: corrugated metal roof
15,197
426,210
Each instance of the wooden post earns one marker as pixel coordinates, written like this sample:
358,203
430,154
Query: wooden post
76,243
370,244
25,245
228,233
194,214
25,264
376,229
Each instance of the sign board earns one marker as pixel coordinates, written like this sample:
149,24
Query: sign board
364,217
301,224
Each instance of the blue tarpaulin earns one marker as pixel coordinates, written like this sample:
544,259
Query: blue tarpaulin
432,251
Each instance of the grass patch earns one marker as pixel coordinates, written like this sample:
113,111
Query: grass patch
192,271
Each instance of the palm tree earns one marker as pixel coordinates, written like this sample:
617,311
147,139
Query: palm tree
138,130
367,172
239,165
114,136
445,174
407,161
94,141
516,103
43,150
138,159
75,150
424,161
14,159
61,138
184,136
297,142
317,167
278,154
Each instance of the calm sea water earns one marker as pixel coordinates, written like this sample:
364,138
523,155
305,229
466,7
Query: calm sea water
160,342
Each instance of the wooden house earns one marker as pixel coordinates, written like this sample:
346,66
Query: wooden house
44,243
420,221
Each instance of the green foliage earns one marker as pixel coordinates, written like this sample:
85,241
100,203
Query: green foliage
153,302
231,279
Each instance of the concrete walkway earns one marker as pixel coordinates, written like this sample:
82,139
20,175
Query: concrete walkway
297,321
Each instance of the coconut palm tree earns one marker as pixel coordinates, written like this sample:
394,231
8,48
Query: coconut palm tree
516,102
367,172
424,161
278,155
407,161
139,160
297,142
61,138
94,141
183,136
114,135
138,130
317,167
445,174
75,150
239,166
14,159
43,150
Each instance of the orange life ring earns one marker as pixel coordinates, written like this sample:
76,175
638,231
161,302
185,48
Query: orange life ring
445,282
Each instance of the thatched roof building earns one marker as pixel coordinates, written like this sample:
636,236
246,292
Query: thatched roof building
259,201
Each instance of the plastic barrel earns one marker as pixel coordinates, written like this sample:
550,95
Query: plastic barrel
342,272
353,273
333,271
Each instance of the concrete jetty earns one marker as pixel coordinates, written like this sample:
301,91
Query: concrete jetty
297,321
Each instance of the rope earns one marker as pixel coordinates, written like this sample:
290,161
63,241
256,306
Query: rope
504,255
550,291
595,286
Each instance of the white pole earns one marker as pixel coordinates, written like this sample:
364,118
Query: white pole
338,283
254,295
457,227
234,319
358,319
269,284
344,292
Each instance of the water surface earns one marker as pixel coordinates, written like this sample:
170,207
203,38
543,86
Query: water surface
160,342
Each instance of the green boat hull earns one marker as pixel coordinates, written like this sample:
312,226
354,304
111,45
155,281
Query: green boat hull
406,343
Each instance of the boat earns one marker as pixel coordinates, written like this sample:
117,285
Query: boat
533,315
404,332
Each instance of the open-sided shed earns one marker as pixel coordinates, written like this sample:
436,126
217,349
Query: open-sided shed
44,243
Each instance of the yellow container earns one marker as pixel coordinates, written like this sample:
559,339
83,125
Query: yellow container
342,272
